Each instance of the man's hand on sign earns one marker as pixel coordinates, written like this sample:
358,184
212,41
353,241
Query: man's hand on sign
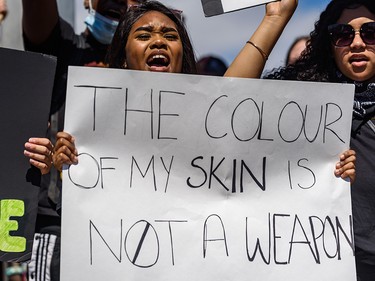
345,168
65,151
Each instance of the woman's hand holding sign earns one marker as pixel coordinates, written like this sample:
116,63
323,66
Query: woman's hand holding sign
345,168
65,151
39,150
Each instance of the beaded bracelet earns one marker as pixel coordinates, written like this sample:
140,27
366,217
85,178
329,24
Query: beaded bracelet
263,53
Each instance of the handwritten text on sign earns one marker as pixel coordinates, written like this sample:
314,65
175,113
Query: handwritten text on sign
203,178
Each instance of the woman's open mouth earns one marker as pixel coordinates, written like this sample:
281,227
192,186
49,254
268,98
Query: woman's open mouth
158,62
358,61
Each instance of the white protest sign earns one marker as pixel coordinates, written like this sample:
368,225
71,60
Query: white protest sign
218,7
184,177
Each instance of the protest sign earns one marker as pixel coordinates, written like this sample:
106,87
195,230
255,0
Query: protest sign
26,81
218,7
185,177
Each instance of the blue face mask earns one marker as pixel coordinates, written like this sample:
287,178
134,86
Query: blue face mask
100,27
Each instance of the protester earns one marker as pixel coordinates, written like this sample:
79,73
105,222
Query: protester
296,49
16,271
211,65
342,50
3,10
137,50
151,37
45,32
3,13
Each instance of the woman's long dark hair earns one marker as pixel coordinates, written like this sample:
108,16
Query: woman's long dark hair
116,55
317,62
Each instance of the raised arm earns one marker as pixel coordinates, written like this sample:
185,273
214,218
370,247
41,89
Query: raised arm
250,62
39,18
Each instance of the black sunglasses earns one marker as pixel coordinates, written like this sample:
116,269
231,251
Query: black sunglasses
342,35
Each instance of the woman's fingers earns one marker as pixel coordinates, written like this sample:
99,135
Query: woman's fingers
42,166
346,167
59,159
39,150
65,151
65,139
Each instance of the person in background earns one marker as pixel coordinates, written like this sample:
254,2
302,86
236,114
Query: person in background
16,271
211,65
3,10
341,49
44,31
296,49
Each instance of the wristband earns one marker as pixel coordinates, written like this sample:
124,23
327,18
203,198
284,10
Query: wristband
263,53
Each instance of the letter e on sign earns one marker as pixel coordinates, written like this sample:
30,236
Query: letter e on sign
11,208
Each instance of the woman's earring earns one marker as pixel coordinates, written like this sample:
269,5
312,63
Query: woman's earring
125,65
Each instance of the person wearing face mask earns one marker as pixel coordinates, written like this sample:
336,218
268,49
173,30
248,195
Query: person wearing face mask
101,27
44,31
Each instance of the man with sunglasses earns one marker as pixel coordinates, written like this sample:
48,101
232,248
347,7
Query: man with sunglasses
46,32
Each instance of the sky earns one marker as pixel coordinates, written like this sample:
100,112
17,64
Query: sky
224,35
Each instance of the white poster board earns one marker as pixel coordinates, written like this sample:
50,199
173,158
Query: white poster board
218,7
184,177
